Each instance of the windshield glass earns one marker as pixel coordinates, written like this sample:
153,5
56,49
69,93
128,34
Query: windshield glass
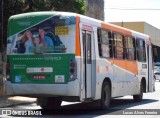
53,35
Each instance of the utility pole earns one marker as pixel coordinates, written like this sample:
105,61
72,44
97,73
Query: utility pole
1,25
122,24
1,42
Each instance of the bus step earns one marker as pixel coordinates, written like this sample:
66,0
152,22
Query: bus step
88,99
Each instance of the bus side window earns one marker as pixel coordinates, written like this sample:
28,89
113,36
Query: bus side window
119,51
130,48
140,48
104,43
99,41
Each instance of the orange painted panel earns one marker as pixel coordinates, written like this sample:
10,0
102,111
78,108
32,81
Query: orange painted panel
130,66
120,63
115,28
78,47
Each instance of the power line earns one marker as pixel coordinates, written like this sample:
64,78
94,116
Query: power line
133,8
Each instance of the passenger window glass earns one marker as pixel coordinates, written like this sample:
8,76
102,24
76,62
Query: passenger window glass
104,43
140,48
118,47
105,36
130,48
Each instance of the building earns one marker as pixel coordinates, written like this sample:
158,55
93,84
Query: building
95,9
148,29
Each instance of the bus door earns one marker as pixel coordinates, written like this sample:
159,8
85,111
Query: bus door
87,62
151,82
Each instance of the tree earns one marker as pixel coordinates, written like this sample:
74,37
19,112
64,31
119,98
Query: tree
12,7
21,6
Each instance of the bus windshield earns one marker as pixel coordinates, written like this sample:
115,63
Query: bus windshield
54,34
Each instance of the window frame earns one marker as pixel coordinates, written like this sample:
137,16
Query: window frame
109,43
138,48
115,46
133,48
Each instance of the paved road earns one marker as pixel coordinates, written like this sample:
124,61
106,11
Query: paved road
119,106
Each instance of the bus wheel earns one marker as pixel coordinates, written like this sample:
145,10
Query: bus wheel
139,97
49,103
105,95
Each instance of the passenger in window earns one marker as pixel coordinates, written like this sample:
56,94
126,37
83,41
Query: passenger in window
45,40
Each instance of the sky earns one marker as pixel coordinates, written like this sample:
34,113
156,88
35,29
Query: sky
133,10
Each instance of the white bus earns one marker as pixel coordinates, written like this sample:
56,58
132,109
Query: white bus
83,59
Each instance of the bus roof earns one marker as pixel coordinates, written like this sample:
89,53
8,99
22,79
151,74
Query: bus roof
41,14
108,26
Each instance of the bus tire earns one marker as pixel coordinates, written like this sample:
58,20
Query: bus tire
139,97
105,95
49,103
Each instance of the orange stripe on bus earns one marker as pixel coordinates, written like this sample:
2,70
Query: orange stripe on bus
78,48
120,63
115,28
130,66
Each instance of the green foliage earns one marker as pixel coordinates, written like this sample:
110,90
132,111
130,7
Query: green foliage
12,7
21,6
76,6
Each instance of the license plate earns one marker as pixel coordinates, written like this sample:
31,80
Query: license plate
39,77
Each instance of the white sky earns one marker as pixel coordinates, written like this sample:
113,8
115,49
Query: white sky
122,10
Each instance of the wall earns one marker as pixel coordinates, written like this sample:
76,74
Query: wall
136,26
153,32
95,9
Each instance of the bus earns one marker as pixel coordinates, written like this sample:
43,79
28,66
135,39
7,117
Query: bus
63,56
